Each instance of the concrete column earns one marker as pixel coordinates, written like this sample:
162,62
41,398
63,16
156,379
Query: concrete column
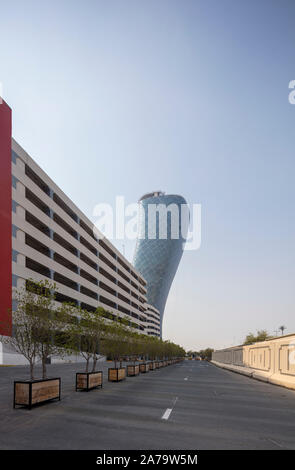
20,236
20,211
21,259
21,188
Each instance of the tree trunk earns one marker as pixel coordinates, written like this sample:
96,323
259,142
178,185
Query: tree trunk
87,364
44,375
94,363
32,370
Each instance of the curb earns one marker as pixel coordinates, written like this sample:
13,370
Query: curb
273,379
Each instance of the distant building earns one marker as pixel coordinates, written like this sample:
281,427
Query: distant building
157,257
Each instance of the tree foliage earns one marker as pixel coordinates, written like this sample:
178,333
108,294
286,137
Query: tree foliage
41,330
206,354
37,325
261,335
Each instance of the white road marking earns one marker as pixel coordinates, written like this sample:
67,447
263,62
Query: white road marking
275,442
167,413
175,401
169,410
186,378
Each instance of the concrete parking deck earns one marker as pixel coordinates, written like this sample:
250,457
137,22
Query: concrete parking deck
192,405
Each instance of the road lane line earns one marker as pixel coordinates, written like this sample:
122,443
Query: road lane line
175,401
186,378
167,413
275,442
169,410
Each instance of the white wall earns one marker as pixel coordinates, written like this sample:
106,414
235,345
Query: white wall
9,357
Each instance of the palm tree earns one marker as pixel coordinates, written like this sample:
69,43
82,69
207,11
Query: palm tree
282,328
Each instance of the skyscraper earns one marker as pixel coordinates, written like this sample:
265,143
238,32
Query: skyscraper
163,225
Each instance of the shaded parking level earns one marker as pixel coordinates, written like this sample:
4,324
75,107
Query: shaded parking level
192,405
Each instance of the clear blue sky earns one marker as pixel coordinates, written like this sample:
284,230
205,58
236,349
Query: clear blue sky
120,97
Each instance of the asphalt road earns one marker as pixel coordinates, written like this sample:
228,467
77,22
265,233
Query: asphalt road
192,405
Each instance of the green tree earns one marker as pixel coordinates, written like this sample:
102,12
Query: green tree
100,331
115,344
261,335
38,328
23,339
52,325
206,354
282,328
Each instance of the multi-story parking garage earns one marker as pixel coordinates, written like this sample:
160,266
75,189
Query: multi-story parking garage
45,236
153,321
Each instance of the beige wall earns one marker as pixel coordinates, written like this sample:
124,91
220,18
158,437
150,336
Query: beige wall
230,355
271,361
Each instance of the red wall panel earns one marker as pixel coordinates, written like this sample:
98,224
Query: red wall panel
5,219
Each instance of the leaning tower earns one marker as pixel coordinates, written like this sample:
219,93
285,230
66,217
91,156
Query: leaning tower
162,231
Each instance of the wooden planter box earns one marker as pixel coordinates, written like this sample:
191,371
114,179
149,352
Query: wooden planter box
116,375
157,365
152,365
132,371
88,380
144,368
31,392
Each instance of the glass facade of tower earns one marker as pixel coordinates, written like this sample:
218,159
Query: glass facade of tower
163,224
